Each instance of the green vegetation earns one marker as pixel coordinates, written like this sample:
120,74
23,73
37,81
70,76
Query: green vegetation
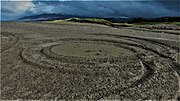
86,20
156,20
129,23
95,21
122,24
58,21
157,23
162,20
176,23
137,20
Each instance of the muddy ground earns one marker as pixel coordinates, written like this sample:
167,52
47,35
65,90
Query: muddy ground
53,61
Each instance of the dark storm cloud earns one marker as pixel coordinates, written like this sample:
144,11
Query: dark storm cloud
116,8
169,4
128,8
5,10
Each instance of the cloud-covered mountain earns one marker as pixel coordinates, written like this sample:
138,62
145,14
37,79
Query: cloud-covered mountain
12,10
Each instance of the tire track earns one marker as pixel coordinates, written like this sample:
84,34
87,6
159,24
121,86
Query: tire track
13,40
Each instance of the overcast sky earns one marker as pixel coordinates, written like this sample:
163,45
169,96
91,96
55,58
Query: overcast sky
14,9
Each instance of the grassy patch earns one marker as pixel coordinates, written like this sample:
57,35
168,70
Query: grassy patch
58,20
95,21
176,23
122,24
90,20
86,20
156,23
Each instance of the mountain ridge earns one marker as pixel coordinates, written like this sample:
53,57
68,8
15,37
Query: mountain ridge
53,16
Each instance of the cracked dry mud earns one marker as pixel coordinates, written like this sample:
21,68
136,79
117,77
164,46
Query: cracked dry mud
48,61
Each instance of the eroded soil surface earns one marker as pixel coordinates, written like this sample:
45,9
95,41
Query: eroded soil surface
52,61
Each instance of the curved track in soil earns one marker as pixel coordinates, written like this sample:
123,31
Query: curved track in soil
8,40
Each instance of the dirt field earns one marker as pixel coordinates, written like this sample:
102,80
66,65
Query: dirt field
52,61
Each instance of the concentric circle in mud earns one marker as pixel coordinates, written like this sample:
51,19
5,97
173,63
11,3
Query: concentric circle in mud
87,51
51,55
128,66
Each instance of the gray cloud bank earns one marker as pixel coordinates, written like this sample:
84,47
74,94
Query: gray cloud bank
11,10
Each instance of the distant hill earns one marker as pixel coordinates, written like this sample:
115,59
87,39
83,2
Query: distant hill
161,19
166,19
49,17
46,17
